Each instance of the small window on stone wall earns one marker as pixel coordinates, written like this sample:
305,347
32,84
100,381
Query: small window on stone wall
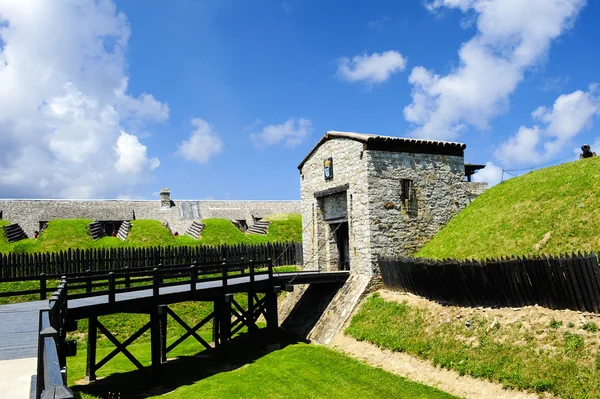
406,189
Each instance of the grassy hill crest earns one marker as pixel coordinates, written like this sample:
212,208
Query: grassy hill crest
550,211
72,233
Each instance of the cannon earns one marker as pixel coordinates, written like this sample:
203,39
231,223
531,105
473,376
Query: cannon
586,152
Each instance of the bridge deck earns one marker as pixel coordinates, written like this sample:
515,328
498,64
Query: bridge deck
19,322
139,301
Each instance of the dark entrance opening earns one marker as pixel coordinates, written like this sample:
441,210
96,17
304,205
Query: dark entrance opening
342,240
111,227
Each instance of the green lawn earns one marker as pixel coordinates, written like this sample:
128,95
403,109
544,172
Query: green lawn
72,233
296,371
557,358
550,211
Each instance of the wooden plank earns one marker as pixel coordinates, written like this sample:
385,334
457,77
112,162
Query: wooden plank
567,287
594,287
531,286
580,275
572,282
545,273
587,276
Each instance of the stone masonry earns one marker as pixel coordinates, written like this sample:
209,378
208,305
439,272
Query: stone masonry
350,167
394,193
29,213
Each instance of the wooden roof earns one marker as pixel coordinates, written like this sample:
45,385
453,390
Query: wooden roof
392,144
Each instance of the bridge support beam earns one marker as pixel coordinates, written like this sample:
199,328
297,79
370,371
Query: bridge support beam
90,369
162,314
155,341
225,324
272,320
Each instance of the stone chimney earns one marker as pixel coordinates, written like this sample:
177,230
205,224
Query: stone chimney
165,198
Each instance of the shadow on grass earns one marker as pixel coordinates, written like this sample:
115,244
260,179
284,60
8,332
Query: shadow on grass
183,370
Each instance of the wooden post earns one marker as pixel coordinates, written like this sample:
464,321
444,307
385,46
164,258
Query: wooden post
155,342
224,276
270,265
162,313
215,329
272,319
225,324
251,323
91,348
111,287
271,307
193,277
88,283
127,278
156,282
42,286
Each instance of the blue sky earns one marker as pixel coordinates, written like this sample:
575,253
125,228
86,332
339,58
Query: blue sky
223,99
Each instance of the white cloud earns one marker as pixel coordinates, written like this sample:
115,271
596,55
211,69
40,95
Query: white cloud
512,36
491,174
68,127
202,144
291,133
374,68
132,155
570,115
522,148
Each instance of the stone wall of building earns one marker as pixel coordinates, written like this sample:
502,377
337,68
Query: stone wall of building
382,222
399,227
349,167
475,189
28,213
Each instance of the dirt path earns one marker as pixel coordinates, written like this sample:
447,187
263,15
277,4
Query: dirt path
423,371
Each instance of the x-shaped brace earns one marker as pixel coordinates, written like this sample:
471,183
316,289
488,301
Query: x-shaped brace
190,331
121,347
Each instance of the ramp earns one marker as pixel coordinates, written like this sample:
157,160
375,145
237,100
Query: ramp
318,312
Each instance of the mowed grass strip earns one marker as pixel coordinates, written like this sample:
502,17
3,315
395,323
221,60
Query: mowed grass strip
550,211
72,233
296,371
562,360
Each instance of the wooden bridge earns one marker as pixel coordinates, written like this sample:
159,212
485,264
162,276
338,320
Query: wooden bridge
147,291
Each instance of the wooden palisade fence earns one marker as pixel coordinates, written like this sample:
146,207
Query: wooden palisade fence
556,282
25,266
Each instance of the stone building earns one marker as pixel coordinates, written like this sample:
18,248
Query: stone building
366,196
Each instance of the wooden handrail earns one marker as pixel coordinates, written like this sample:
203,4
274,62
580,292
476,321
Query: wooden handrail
51,368
90,280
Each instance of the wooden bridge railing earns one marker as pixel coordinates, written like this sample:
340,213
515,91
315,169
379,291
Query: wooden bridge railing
124,276
53,323
130,280
51,379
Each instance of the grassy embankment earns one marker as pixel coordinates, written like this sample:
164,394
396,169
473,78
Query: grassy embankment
72,233
296,371
561,358
549,211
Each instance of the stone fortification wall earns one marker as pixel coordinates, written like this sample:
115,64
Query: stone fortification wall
28,213
399,227
475,189
349,167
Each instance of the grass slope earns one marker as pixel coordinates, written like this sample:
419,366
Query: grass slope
551,211
296,371
72,233
557,358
